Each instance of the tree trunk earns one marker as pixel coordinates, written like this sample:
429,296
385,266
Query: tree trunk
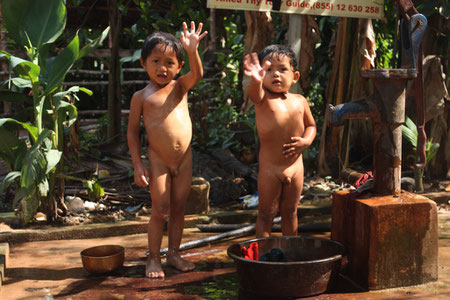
346,84
114,100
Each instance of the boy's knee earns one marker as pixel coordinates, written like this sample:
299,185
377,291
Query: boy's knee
160,216
290,212
267,216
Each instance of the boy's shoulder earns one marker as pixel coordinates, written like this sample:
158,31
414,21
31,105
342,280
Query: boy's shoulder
295,96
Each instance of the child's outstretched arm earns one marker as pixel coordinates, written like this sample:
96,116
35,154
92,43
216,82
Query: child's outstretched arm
299,143
190,40
253,69
141,176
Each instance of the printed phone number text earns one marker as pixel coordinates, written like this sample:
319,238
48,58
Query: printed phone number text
331,7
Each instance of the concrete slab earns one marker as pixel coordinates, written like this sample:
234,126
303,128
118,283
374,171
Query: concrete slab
53,269
4,257
139,225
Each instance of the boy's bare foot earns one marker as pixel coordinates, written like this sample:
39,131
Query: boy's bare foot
181,264
153,268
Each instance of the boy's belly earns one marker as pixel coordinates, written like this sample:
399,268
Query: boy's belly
170,142
271,159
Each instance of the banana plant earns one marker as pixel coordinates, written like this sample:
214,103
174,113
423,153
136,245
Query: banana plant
35,160
409,132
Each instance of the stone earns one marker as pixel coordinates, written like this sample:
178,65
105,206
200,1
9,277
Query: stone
75,205
198,199
391,241
408,184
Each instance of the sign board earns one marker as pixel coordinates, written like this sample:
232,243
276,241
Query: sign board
369,9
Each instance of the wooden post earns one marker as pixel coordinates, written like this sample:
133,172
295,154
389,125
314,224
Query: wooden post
294,40
114,105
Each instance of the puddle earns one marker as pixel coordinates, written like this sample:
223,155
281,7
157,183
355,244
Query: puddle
220,287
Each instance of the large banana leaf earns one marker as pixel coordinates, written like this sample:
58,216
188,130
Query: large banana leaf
9,179
409,132
12,124
35,164
25,69
34,21
57,68
11,148
94,44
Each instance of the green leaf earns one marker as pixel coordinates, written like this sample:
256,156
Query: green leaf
8,180
5,54
12,124
10,96
95,44
21,82
43,187
35,165
58,68
135,57
33,169
21,194
409,132
11,147
409,135
43,55
53,157
432,149
86,91
25,69
42,21
67,113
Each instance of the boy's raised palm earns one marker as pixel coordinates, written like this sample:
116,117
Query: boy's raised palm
253,69
190,40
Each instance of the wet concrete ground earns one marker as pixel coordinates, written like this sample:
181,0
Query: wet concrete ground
53,270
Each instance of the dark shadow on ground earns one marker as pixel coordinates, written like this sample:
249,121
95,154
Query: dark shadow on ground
19,274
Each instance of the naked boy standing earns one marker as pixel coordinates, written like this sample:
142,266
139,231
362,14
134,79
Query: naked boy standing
285,128
164,110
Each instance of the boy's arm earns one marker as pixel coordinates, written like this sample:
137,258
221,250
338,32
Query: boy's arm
253,69
298,144
134,145
190,41
310,125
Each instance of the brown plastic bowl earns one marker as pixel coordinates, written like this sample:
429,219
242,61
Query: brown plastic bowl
102,259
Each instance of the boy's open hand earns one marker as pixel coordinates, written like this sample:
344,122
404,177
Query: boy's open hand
191,39
294,148
253,69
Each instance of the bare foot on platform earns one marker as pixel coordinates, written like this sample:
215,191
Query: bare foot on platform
153,268
181,264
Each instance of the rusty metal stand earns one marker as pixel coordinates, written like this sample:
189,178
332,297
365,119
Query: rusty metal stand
391,241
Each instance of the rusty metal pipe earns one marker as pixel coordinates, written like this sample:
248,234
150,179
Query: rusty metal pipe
350,176
361,108
247,230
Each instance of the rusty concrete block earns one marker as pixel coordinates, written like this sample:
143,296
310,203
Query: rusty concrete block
392,241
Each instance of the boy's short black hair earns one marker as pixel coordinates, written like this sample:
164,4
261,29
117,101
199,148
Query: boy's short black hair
167,39
278,50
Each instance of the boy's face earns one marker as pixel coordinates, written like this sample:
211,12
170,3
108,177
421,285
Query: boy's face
162,65
280,75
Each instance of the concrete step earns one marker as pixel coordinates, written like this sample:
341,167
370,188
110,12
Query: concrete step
4,257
